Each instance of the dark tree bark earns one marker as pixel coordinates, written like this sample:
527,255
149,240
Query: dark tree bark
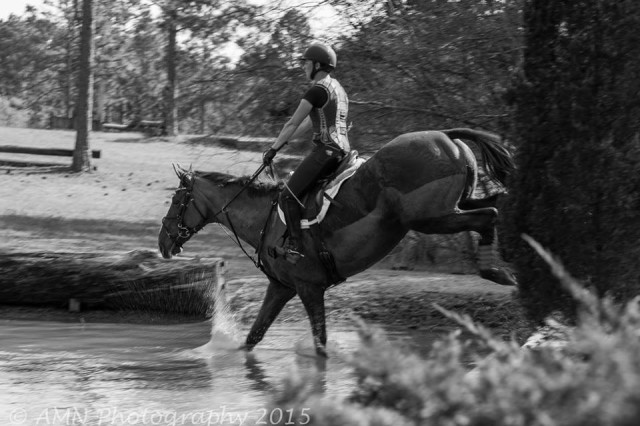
576,191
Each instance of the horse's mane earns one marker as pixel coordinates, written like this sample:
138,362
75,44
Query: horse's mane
222,179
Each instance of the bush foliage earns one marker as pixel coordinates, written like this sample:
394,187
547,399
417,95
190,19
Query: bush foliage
594,379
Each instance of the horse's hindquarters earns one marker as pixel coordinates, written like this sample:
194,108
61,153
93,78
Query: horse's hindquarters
431,200
415,159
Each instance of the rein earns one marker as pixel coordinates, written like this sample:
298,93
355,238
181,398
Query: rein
249,182
224,210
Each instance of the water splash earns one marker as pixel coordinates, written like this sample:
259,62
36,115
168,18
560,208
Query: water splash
226,332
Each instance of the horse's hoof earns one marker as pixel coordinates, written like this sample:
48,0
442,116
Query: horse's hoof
246,348
499,276
322,353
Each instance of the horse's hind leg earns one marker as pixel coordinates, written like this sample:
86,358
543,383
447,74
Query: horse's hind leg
488,259
480,220
277,296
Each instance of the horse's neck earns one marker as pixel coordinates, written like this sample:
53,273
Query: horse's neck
246,215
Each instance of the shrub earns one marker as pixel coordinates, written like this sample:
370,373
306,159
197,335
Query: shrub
593,380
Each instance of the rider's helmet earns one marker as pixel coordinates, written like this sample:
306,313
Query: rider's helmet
322,54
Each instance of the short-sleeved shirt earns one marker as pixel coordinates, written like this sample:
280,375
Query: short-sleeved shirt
317,96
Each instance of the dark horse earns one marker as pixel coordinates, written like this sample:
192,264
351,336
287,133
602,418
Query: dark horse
419,181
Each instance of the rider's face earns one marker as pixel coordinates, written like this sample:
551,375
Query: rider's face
307,66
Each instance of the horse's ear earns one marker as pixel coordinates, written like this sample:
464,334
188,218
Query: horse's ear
179,170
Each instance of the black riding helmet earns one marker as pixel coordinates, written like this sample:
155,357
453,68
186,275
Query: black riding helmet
322,54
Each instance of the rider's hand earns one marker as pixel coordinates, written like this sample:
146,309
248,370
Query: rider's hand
268,155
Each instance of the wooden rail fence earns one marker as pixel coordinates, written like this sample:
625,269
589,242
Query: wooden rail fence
12,149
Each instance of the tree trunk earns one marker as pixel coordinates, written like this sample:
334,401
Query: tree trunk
203,116
69,82
84,105
100,103
171,111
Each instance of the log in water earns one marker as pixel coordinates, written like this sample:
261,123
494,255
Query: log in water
136,280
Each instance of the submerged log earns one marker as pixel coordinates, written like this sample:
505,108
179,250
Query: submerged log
137,280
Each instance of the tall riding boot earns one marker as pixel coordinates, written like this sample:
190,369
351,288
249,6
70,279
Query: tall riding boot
293,249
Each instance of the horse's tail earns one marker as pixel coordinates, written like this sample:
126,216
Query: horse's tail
497,160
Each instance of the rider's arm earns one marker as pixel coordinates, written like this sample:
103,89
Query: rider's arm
304,127
302,112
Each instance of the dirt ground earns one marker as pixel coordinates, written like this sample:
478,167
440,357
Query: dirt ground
118,207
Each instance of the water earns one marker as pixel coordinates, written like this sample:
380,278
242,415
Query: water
186,374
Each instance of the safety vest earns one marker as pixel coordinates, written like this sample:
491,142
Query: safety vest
330,121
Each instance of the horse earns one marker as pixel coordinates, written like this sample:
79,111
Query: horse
419,181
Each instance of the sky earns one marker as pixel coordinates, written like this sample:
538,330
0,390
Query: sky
322,18
17,7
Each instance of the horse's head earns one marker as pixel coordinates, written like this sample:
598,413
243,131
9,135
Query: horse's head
184,218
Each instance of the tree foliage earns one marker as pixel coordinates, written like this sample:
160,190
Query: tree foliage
31,47
407,65
429,65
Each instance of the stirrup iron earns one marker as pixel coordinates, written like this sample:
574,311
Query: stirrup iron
290,255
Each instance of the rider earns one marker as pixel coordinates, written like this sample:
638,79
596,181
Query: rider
326,104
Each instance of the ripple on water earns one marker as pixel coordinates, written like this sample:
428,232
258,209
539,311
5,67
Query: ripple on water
180,369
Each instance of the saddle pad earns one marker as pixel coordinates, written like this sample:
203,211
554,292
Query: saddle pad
331,189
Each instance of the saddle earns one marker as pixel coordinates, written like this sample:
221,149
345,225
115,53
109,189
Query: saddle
318,200
316,204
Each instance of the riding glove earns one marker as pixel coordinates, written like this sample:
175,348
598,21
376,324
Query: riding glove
268,155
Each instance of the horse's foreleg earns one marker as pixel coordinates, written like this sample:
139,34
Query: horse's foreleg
277,296
313,300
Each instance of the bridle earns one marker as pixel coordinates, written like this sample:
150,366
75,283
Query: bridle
186,232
